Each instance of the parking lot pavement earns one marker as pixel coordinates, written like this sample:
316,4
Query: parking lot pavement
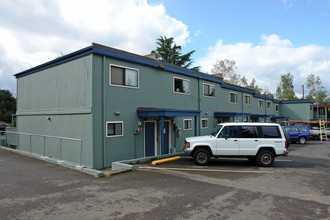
297,187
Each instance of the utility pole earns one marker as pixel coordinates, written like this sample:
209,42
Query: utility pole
303,91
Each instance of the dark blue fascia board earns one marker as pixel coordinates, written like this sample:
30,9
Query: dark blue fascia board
192,74
281,117
263,97
124,57
227,86
231,114
262,116
296,101
166,112
60,60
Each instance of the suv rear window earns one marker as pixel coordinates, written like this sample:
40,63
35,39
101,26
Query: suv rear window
249,132
270,132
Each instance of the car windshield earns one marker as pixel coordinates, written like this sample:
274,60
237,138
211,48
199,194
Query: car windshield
216,130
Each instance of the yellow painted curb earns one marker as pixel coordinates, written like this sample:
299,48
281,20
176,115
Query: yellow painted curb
165,160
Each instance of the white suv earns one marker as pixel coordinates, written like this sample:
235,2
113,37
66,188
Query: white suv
260,142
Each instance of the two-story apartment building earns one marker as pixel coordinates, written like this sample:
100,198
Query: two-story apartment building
126,106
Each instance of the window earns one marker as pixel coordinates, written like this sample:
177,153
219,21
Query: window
233,97
249,132
187,124
261,104
121,76
114,129
204,123
268,105
209,90
270,132
229,132
181,86
247,99
276,108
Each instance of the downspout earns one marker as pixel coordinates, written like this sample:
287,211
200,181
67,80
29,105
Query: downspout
103,113
265,120
242,107
162,135
199,107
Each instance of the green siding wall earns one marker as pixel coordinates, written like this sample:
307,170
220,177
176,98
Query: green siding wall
63,93
297,111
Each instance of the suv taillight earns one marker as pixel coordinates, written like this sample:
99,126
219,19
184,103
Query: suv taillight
286,144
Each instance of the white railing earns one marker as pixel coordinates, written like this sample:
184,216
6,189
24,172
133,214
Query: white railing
9,140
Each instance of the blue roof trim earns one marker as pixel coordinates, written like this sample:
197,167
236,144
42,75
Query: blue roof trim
60,60
192,74
262,116
124,57
296,101
231,114
281,117
264,97
228,86
166,112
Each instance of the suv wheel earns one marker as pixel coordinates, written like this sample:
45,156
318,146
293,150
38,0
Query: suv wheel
201,157
265,158
302,140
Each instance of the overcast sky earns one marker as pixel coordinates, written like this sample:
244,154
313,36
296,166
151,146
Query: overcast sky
266,38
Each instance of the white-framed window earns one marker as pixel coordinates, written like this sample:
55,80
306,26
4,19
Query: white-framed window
276,108
187,124
233,98
204,123
260,104
268,105
247,100
114,128
123,76
181,86
208,90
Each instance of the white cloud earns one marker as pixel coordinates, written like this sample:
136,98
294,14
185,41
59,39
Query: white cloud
33,32
270,59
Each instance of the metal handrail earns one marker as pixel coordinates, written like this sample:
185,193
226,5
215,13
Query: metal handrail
44,142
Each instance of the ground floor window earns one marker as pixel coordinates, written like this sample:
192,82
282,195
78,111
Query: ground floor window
114,129
204,123
187,124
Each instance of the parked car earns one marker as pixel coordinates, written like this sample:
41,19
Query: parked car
299,134
2,128
315,132
260,142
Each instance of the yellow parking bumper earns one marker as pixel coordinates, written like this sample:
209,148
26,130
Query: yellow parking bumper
165,160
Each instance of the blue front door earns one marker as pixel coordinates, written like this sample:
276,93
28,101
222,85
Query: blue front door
149,132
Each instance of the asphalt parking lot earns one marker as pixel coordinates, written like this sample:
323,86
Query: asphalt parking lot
296,187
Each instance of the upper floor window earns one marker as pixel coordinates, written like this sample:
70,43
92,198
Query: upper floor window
276,108
247,99
209,90
233,97
261,104
122,76
268,105
181,86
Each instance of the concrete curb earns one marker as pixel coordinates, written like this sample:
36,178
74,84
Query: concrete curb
129,164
